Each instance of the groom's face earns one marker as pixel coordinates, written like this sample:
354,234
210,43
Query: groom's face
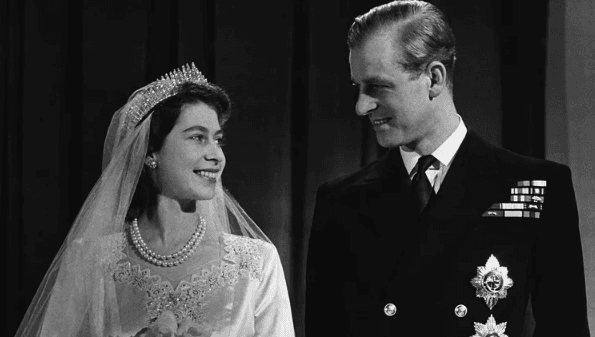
396,101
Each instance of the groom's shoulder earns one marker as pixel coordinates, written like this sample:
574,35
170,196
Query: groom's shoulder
509,163
346,182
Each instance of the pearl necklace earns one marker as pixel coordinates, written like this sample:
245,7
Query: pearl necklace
170,260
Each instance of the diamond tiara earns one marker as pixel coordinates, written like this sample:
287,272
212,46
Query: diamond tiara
161,89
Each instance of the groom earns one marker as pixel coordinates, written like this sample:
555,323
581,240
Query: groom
446,235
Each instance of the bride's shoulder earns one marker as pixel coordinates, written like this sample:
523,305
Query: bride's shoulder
241,243
242,249
111,245
105,250
102,240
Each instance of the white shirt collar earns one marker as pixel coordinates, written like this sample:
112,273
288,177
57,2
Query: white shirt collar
444,153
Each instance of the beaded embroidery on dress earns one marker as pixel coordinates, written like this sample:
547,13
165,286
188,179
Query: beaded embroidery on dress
188,299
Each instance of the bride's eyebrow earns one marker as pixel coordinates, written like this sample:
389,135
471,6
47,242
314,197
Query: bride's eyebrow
201,129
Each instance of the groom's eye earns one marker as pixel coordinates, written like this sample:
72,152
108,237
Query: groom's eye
371,89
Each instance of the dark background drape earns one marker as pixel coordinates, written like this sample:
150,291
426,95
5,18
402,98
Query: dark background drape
67,66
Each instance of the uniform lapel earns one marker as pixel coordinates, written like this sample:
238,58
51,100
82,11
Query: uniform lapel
471,180
387,207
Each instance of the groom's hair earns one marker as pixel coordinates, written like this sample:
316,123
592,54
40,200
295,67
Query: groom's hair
423,34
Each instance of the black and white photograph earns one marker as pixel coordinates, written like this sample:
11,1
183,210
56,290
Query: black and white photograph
298,168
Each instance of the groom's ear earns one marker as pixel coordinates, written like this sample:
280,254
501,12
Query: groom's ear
436,72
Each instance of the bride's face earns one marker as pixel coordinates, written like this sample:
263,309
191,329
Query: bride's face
191,159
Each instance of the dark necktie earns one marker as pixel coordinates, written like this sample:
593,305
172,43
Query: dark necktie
422,189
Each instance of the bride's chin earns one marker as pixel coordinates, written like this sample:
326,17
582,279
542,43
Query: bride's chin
205,194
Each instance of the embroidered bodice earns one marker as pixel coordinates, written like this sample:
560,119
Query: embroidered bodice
243,259
232,286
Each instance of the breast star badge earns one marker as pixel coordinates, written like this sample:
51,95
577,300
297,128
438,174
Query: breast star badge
492,282
490,329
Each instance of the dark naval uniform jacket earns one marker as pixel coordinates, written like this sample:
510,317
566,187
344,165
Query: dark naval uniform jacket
376,268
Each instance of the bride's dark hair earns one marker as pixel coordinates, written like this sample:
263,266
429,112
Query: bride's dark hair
163,118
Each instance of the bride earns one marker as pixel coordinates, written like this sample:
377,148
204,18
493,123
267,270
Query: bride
159,248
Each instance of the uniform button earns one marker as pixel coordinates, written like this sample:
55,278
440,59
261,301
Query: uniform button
461,310
390,309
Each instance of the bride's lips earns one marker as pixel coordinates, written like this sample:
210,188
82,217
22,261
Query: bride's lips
210,174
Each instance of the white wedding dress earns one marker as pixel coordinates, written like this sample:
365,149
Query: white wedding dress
231,286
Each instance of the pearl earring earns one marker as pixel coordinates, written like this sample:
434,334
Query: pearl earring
151,163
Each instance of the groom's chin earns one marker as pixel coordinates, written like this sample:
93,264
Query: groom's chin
386,141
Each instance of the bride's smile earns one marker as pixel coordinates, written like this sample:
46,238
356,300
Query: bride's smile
191,150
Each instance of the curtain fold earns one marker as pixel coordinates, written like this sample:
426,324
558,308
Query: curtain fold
11,179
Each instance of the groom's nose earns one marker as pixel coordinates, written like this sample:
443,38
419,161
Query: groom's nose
365,104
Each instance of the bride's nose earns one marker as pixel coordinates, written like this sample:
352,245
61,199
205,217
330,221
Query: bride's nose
215,153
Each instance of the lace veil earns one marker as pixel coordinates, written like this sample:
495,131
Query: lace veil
72,299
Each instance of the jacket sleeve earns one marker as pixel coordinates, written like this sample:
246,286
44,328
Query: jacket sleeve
559,294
